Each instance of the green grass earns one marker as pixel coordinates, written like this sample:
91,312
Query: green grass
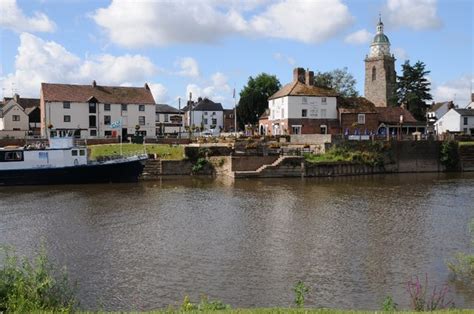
370,156
164,151
293,311
466,143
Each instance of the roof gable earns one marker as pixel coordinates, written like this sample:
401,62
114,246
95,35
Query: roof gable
24,102
164,108
392,115
208,105
103,94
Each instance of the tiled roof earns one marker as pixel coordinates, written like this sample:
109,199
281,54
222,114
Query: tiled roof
355,105
465,112
438,105
392,115
24,102
265,114
103,94
208,105
296,88
166,108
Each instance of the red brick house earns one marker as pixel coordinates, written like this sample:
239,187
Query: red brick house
357,115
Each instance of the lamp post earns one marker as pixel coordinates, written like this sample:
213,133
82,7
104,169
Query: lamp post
400,126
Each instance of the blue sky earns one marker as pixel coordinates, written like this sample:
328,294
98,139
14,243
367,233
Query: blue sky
209,47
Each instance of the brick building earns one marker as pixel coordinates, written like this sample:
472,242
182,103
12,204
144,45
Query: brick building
302,108
358,115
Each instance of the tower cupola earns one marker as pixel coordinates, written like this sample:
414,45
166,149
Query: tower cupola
380,44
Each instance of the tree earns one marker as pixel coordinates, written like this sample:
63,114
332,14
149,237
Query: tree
254,98
413,88
340,80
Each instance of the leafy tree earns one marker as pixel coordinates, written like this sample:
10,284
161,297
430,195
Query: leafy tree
340,80
413,88
254,98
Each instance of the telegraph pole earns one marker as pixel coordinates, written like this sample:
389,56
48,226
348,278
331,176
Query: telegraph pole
179,113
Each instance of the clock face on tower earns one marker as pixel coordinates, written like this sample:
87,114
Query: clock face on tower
379,50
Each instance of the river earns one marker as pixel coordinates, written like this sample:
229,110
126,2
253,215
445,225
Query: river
352,240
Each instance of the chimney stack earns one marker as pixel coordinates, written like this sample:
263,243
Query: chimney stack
16,97
199,99
472,97
309,78
147,87
94,84
299,75
451,105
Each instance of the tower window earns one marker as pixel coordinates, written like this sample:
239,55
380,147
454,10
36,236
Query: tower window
374,74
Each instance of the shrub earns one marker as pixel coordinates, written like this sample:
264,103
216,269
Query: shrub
449,155
389,305
199,165
421,301
27,286
300,290
204,305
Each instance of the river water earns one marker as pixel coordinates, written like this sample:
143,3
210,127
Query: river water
144,246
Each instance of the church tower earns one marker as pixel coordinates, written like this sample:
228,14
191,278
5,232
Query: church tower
380,75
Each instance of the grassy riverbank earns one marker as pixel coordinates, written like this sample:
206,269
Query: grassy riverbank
292,311
369,154
164,151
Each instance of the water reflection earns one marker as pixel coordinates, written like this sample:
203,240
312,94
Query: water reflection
354,240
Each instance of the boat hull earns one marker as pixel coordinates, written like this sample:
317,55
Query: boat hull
124,171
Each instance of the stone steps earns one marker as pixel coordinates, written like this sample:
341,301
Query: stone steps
152,168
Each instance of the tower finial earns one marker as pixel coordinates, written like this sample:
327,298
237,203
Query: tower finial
380,17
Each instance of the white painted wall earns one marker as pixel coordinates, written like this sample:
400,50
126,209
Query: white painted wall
196,117
452,121
291,107
7,123
79,112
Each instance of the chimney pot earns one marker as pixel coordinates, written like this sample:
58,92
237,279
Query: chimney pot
199,99
16,97
94,83
299,75
147,87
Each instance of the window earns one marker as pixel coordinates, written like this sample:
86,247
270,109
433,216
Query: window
465,120
124,107
282,113
141,120
106,107
16,117
296,129
108,133
205,121
107,120
214,121
141,107
92,121
465,130
304,100
323,113
323,100
166,118
361,118
82,152
374,74
74,152
205,113
92,107
304,113
93,132
14,156
67,119
213,113
66,105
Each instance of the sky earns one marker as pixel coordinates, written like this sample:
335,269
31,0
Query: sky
210,47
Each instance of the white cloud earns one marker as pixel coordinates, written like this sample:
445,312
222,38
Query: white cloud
159,91
46,61
189,67
414,14
303,20
14,19
217,89
362,36
458,90
284,58
400,54
158,23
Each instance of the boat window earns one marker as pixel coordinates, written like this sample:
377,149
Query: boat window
13,156
74,152
82,152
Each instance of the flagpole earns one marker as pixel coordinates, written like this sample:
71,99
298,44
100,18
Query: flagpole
235,115
121,138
